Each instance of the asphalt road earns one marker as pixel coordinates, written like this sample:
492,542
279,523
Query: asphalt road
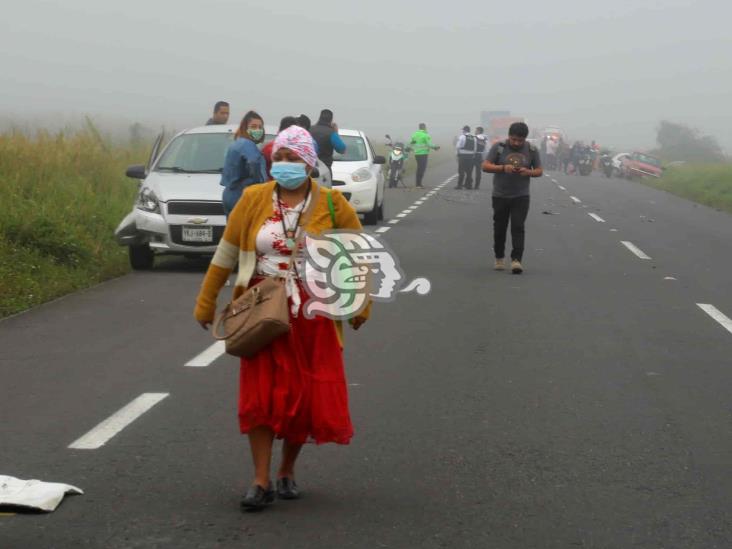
585,403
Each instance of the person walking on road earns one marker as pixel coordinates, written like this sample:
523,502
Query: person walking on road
325,133
481,142
421,142
244,164
466,147
514,162
220,114
294,388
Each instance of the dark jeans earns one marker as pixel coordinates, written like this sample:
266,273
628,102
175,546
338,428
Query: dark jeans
515,210
465,171
478,169
421,167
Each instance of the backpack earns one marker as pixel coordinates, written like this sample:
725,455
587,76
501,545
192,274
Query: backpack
469,142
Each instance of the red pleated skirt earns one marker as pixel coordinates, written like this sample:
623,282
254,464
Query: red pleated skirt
297,385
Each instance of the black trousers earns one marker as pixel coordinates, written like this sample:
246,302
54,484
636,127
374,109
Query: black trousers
478,169
466,162
421,167
505,210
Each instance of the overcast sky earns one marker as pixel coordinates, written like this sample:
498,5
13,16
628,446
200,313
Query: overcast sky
601,70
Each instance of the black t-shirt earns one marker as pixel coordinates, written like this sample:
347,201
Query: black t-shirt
510,185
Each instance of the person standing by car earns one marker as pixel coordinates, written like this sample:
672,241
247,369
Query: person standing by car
220,114
295,387
325,134
481,142
422,145
466,147
244,165
514,163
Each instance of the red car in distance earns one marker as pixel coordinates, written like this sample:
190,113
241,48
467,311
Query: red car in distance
639,165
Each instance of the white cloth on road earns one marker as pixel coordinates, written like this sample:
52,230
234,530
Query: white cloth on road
33,494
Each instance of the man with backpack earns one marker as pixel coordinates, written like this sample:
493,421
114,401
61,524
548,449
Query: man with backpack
481,140
466,147
514,162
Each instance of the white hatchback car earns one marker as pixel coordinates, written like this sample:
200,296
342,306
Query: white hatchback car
359,176
178,209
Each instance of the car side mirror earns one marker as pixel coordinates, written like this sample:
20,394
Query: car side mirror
315,173
379,159
136,171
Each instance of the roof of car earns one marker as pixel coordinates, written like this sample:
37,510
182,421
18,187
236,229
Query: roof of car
231,128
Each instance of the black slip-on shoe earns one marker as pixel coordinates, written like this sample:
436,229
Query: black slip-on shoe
287,488
257,498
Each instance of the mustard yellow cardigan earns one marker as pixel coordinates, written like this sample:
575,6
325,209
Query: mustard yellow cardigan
239,241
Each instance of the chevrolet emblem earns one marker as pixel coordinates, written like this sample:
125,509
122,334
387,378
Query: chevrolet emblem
198,220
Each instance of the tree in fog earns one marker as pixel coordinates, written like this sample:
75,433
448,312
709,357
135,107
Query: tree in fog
680,142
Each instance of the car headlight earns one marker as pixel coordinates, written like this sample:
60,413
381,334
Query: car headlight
360,175
147,201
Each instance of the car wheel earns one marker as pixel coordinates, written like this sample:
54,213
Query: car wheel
372,217
142,258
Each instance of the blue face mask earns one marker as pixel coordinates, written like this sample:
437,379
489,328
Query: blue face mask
289,175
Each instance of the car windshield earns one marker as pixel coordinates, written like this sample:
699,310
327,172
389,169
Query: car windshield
196,153
355,150
648,160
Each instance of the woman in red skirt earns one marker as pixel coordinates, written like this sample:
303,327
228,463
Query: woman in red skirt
295,388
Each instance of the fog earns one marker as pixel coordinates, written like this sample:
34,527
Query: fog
606,71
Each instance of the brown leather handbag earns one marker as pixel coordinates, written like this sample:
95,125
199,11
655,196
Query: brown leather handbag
261,314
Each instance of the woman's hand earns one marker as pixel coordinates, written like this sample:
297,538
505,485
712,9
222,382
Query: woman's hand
205,324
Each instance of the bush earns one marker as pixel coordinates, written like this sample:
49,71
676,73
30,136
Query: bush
709,184
62,196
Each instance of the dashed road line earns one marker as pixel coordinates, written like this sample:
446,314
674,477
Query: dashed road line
575,200
207,356
635,249
562,188
596,217
717,315
382,229
102,433
394,221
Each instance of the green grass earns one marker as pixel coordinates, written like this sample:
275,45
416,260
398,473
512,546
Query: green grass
709,184
62,196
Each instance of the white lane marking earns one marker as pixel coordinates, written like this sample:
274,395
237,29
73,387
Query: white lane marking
635,249
207,356
613,230
412,208
575,200
563,188
555,181
670,278
717,315
401,215
394,221
382,229
596,217
102,433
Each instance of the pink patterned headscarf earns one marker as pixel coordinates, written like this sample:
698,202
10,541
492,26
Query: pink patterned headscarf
299,141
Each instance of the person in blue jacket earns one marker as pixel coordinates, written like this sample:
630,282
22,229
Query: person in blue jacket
244,164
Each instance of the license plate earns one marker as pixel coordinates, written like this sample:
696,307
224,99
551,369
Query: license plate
197,234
